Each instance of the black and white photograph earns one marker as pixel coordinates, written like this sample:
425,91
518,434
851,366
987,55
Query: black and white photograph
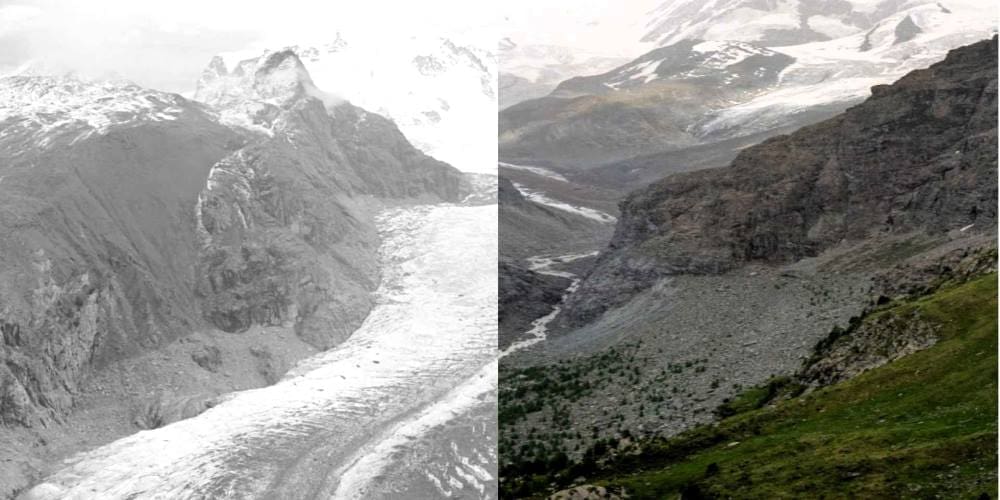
498,250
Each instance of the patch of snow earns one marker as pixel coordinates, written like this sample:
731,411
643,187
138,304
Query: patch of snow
723,54
544,172
539,328
43,107
426,351
543,199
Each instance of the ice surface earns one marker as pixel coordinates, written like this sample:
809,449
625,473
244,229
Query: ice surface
426,352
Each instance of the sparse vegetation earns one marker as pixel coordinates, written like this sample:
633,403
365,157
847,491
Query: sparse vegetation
924,426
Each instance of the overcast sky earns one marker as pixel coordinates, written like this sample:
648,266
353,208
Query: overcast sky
165,44
611,27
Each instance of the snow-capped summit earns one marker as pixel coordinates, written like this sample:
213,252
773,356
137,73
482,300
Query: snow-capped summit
274,77
43,109
250,94
435,89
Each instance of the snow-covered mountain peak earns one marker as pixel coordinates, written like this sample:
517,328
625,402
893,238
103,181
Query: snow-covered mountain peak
436,89
913,34
250,92
779,23
43,108
276,78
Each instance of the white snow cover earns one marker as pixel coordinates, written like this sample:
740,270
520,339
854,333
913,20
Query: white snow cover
441,92
542,171
425,354
839,71
645,71
43,107
543,264
590,213
676,20
723,54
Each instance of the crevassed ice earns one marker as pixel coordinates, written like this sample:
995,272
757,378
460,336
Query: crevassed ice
334,421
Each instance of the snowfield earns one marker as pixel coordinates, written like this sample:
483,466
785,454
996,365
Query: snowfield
425,356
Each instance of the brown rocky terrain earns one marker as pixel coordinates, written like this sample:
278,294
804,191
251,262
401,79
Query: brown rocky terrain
918,155
719,280
525,296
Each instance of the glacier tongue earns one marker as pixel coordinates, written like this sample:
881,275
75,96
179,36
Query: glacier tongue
424,356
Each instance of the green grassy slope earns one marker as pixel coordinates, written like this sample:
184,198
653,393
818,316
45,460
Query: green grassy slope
924,426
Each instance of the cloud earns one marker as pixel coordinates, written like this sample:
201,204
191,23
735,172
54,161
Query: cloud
166,44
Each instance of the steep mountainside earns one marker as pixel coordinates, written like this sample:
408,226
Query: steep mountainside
719,280
99,184
285,218
919,155
133,218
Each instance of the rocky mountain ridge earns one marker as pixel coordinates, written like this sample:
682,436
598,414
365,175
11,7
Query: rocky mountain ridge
917,156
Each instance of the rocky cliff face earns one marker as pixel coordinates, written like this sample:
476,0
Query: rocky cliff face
98,251
287,220
129,217
918,156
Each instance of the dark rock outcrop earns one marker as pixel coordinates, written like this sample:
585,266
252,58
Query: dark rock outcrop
528,228
906,30
524,297
918,156
287,220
